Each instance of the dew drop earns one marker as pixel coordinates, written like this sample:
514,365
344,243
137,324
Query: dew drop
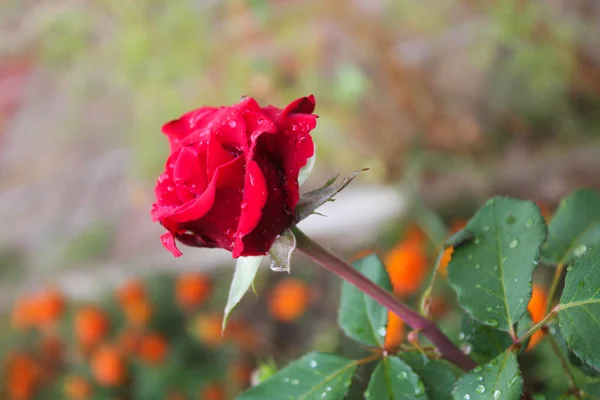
521,300
478,286
513,380
328,389
470,256
480,389
295,382
579,251
323,395
570,267
313,364
286,379
491,322
528,224
232,123
467,396
513,243
461,336
420,389
479,378
477,241
477,266
477,369
489,309
382,331
497,394
402,375
170,188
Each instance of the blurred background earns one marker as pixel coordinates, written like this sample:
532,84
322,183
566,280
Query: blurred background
447,102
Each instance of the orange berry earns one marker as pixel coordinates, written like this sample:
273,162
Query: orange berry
537,309
49,306
207,329
108,366
213,391
152,348
395,332
289,299
407,266
132,291
77,388
138,312
191,290
91,325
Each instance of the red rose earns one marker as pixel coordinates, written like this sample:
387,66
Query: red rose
231,180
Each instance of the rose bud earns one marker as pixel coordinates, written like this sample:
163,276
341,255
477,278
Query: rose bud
231,180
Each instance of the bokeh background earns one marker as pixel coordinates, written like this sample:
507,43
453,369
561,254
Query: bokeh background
447,102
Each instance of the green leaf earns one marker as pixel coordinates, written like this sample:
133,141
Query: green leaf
313,377
573,359
484,343
360,317
592,391
460,237
393,379
243,277
437,375
574,227
492,274
307,169
499,379
314,199
282,250
579,308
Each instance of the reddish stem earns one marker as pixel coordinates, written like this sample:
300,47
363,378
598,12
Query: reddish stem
332,263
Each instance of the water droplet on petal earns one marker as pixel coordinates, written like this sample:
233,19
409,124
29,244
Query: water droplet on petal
232,123
480,389
170,188
497,394
513,243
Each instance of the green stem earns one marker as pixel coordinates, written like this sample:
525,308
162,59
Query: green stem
565,366
557,276
426,298
549,317
332,263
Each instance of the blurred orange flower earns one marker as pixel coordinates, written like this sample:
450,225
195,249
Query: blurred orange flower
289,299
132,291
152,348
213,391
91,325
77,388
108,366
406,264
537,309
207,329
395,332
192,290
22,375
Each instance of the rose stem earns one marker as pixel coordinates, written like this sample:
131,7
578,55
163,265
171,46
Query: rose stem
332,263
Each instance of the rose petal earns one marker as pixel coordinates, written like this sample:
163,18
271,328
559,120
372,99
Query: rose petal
168,240
226,175
188,123
189,174
255,197
217,156
303,105
276,217
230,128
256,125
248,104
